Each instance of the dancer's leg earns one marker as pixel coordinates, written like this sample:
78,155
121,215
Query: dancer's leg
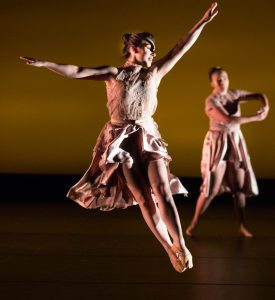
236,177
136,177
142,194
158,177
203,202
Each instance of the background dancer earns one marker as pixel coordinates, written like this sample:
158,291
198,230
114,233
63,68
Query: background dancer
225,164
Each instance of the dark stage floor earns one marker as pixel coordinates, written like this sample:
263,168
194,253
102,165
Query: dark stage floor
54,249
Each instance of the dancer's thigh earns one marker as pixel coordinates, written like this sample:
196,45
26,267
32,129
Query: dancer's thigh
217,178
138,185
235,176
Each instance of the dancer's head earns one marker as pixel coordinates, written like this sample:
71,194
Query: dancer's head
218,79
139,48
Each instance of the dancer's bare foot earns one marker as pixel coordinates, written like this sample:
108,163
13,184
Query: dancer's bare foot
190,230
245,232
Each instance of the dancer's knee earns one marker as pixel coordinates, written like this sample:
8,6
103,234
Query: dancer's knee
205,201
240,199
162,191
140,199
212,194
144,202
204,206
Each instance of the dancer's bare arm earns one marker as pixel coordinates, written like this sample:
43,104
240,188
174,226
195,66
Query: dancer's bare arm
166,63
223,117
256,96
71,71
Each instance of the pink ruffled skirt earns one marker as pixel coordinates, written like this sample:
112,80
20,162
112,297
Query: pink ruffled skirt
103,185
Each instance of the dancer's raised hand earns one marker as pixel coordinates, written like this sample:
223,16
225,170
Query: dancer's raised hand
210,13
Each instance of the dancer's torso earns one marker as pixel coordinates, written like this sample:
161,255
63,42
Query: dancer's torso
229,103
132,96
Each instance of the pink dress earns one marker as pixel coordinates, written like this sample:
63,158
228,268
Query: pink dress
225,142
132,101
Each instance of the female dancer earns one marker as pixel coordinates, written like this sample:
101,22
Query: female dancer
225,164
130,162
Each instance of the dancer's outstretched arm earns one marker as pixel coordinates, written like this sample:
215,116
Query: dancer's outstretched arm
71,71
166,63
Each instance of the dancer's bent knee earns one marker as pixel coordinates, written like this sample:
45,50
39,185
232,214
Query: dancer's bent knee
163,192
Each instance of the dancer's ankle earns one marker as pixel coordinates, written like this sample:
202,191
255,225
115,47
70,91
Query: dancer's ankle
190,229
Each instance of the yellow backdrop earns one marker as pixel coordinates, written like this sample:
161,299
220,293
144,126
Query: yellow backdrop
49,124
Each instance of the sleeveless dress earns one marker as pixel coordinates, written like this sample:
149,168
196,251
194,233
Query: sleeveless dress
132,101
225,142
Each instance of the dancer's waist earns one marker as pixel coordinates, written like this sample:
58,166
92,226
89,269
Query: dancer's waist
127,121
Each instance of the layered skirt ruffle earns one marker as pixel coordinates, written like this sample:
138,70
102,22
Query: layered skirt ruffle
226,146
103,185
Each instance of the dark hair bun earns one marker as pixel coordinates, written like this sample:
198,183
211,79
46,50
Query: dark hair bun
214,70
126,38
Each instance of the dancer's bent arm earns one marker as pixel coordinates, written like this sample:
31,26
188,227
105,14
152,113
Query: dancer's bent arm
256,96
223,117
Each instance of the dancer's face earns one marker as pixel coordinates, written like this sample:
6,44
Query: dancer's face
145,54
220,81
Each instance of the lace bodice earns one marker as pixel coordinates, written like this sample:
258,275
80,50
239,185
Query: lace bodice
132,95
